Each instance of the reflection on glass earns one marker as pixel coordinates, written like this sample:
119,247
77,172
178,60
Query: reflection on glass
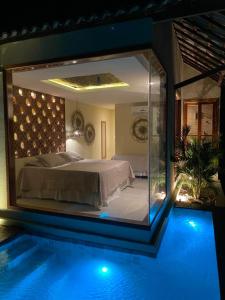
200,117
207,119
157,137
192,119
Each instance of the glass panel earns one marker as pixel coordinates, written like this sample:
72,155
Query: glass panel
192,118
207,119
89,118
157,137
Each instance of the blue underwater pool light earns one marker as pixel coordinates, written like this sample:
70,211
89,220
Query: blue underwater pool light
192,224
104,269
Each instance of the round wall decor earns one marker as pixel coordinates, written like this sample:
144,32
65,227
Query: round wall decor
140,129
78,121
89,133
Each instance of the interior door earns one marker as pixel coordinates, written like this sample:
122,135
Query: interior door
202,117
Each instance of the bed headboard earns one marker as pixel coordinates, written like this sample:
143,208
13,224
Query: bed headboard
38,123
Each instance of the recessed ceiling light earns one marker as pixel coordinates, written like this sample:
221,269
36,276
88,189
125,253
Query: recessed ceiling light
91,87
74,61
89,82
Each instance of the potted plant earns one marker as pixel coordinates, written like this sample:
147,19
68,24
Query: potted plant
196,164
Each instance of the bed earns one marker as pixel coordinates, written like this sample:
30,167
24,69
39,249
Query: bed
84,181
139,163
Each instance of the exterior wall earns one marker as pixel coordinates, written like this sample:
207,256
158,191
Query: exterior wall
79,43
96,41
125,143
202,89
92,114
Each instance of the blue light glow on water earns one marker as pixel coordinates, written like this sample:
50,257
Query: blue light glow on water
103,215
185,267
192,224
104,269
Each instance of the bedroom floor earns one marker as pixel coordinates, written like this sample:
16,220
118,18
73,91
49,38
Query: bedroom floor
130,204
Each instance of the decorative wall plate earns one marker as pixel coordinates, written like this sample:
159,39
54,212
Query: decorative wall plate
78,121
89,133
140,129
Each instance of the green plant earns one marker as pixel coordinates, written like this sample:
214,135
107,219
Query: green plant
196,162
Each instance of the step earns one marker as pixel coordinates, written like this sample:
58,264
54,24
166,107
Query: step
42,280
12,242
24,274
7,233
16,253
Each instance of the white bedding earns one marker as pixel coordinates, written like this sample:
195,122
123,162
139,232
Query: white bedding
85,181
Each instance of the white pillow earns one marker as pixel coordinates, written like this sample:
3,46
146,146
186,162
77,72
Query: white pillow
71,156
34,163
51,160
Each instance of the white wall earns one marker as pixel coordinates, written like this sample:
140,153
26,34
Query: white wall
125,143
202,89
92,114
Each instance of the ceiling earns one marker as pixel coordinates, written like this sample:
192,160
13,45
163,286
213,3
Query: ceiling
130,70
201,40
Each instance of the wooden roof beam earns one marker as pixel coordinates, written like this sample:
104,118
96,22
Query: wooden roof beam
197,42
200,69
196,55
197,62
200,36
204,30
213,22
191,47
199,77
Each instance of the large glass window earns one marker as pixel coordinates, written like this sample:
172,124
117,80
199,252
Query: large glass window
157,136
89,137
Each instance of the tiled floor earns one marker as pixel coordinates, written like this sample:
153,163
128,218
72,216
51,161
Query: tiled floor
129,204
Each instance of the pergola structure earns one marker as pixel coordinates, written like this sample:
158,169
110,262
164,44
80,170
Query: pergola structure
201,40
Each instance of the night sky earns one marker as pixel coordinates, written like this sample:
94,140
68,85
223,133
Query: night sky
16,15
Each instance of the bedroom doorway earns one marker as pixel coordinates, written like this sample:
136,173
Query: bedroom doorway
103,139
89,137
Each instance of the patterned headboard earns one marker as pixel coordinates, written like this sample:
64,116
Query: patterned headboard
38,123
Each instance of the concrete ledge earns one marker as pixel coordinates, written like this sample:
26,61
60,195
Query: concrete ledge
53,232
8,233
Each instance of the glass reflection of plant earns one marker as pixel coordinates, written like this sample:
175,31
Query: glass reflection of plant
158,187
196,162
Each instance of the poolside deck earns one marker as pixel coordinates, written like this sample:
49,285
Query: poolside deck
8,232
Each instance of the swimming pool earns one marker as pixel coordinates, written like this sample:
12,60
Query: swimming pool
185,268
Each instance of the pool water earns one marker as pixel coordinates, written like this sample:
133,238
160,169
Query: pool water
185,267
